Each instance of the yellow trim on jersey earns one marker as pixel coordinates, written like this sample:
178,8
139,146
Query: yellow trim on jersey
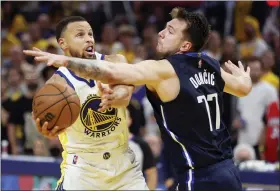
63,139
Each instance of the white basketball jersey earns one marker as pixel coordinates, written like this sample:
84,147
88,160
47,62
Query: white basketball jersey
93,131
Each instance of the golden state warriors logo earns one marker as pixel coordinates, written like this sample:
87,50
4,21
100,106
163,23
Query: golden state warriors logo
98,124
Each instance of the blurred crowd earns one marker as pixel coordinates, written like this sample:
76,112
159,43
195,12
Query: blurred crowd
246,31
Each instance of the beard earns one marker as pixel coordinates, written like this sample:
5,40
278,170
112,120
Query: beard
77,55
163,55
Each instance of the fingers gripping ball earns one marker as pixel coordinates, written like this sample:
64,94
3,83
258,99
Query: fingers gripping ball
57,104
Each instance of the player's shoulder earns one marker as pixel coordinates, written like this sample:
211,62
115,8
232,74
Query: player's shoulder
118,58
59,76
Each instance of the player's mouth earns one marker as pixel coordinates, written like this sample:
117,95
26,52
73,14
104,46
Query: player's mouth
90,50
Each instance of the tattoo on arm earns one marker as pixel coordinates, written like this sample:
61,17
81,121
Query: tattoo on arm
90,69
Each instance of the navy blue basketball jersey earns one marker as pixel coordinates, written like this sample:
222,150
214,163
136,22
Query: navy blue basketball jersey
191,125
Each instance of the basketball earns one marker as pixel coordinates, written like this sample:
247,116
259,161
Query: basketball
57,104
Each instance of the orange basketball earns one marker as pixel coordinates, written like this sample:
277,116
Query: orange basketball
57,104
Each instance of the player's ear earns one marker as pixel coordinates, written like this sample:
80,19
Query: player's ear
63,45
186,46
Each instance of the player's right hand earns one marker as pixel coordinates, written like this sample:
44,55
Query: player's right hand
53,133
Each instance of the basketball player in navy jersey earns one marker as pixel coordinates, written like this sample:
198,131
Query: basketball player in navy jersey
185,89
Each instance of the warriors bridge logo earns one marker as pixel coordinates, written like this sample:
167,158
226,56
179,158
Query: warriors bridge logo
98,124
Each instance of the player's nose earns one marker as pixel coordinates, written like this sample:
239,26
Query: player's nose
161,34
89,39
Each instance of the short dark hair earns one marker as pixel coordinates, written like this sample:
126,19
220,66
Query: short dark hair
61,26
250,59
197,29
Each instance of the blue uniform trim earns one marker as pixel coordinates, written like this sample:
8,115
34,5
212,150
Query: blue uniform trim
67,80
185,153
90,83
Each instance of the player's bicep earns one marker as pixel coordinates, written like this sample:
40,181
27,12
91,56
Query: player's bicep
148,72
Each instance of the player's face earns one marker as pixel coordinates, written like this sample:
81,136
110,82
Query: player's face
77,40
171,39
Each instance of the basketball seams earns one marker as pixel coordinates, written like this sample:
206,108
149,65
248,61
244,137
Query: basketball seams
50,94
74,103
54,104
58,117
65,98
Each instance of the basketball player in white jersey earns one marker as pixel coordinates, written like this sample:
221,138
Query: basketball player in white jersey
96,155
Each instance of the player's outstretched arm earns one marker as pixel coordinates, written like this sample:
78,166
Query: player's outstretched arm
147,72
239,82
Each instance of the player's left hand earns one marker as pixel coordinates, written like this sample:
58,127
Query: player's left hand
237,71
112,97
45,57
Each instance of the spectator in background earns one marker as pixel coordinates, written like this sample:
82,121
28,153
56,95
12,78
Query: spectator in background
158,17
126,37
14,82
253,45
155,143
137,126
144,156
4,87
20,127
151,124
140,53
214,46
243,152
4,113
51,48
44,24
229,50
40,148
269,142
108,39
268,59
12,105
150,39
271,29
55,147
252,107
36,36
17,60
10,37
26,41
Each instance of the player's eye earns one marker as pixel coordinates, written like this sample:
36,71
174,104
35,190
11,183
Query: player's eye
170,31
79,34
90,34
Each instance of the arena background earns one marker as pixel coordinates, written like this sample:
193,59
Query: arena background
29,161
